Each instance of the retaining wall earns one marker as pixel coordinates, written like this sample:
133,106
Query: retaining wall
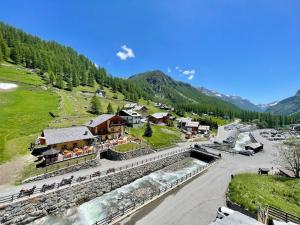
69,169
113,155
57,201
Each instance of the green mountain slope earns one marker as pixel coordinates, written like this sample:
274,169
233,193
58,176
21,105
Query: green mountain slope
164,88
287,106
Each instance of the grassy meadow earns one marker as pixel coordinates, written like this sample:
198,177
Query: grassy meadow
162,136
252,190
24,111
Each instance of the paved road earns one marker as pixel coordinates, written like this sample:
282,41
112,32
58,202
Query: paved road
104,165
196,203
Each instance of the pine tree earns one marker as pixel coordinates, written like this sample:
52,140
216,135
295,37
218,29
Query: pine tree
69,84
148,130
110,109
51,78
95,106
90,81
118,110
75,79
59,81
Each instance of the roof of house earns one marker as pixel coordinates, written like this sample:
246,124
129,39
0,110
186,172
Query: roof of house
254,145
203,127
140,107
98,120
62,135
184,120
160,115
236,218
192,124
130,105
131,113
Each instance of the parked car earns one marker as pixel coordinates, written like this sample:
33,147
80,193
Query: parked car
223,212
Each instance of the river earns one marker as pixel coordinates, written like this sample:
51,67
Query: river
242,140
100,207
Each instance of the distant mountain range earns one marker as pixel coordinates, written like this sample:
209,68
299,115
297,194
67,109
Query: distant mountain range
166,89
287,106
238,101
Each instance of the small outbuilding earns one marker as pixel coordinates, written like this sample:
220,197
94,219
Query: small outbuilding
256,147
160,118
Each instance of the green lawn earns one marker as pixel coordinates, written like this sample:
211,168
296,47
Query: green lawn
162,136
126,147
251,190
24,111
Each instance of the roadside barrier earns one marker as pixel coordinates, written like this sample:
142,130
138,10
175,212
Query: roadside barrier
135,205
79,179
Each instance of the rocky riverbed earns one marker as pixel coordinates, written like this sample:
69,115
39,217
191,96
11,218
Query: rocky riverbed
117,200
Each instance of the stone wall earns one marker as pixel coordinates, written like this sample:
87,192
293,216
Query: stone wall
57,201
69,169
239,208
113,155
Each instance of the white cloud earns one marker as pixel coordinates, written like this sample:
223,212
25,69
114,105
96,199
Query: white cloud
177,68
189,72
169,70
125,53
191,77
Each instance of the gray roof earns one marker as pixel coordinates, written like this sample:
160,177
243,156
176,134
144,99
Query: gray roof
98,120
236,218
160,115
192,124
131,113
62,135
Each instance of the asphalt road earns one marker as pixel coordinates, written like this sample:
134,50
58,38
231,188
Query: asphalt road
196,203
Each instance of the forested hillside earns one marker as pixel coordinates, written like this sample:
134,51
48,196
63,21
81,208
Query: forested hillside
287,106
162,86
64,68
59,65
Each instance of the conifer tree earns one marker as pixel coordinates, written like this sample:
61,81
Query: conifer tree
110,109
51,78
148,130
59,81
95,105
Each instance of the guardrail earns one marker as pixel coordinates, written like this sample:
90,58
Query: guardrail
56,185
279,214
127,209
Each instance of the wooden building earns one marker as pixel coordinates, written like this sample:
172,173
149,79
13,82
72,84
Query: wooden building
131,117
192,127
160,118
107,127
66,138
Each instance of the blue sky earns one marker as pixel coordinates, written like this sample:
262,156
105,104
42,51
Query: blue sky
249,48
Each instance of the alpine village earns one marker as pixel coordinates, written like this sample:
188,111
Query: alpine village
81,146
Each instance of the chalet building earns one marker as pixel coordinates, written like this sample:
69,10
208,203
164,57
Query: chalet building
160,118
66,138
131,117
182,122
192,127
107,127
203,129
136,107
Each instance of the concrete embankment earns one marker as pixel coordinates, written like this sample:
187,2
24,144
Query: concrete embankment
56,201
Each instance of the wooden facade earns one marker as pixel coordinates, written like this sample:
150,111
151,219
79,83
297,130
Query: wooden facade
112,128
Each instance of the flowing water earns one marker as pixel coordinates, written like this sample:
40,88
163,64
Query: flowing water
101,207
242,140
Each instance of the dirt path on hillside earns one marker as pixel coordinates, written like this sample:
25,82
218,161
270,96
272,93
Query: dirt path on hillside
11,169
